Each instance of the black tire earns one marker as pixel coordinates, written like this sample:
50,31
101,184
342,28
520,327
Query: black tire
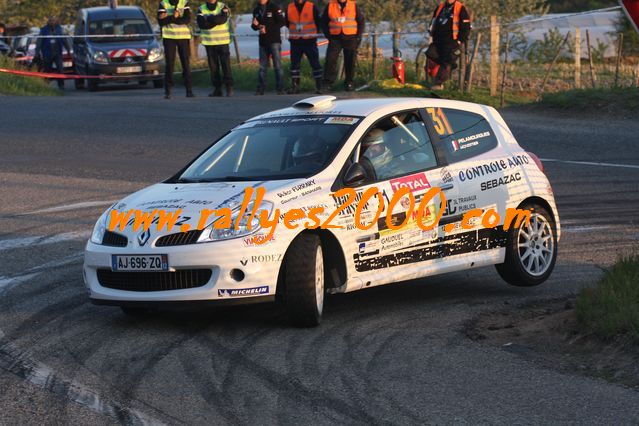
92,84
158,84
520,251
143,82
78,83
131,311
304,302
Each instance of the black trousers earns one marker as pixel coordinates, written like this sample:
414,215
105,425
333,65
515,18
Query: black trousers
49,67
183,49
298,50
335,46
219,57
448,57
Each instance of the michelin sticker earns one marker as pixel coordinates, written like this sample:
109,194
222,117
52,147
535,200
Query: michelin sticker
240,292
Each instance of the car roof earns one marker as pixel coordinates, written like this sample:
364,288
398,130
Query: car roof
363,107
119,12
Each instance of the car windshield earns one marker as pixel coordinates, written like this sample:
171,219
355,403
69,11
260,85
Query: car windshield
119,28
272,149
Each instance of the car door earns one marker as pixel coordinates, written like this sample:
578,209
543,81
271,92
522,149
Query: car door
399,158
469,147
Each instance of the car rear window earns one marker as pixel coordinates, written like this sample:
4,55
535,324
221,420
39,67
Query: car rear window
463,134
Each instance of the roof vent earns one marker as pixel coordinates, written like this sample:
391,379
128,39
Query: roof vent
315,102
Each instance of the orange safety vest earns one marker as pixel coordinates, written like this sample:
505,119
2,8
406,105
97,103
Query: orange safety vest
342,21
456,11
301,26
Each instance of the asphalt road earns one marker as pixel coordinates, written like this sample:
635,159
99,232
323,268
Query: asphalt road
392,355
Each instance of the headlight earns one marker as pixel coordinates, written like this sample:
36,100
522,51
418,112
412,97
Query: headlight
100,57
211,234
100,228
155,54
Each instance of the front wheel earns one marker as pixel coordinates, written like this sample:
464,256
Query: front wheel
158,84
531,250
304,281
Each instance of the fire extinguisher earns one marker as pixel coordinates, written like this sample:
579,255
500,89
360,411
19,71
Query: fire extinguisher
399,73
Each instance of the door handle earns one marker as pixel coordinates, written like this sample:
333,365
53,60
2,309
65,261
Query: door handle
446,186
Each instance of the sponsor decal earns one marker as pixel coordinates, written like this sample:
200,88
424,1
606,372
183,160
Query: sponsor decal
258,239
459,205
342,120
239,292
244,261
493,167
415,183
349,210
265,258
446,176
505,180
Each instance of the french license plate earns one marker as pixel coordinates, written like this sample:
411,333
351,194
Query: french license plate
67,64
133,263
127,70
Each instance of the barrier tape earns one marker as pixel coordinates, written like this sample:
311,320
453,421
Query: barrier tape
119,77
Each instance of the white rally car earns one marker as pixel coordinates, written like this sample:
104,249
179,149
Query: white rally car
302,155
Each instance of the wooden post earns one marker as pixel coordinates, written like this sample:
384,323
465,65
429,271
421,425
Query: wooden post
554,60
619,52
235,44
462,67
593,78
374,47
577,58
471,64
504,72
494,55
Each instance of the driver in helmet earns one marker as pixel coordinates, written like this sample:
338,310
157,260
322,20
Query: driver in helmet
377,153
308,152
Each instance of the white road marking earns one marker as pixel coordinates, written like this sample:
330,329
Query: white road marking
591,163
40,240
74,206
585,228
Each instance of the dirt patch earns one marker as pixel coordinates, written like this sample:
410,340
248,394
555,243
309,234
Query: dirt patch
547,333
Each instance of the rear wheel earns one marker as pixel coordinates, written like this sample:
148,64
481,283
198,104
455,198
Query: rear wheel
304,281
92,83
158,84
78,83
531,250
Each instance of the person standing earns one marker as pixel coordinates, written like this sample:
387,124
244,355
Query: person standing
450,29
213,20
49,49
174,17
268,18
343,25
303,22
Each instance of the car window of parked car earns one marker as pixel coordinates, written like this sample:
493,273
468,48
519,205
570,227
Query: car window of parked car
463,134
397,145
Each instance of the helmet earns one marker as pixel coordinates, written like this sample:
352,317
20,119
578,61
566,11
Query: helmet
307,151
375,150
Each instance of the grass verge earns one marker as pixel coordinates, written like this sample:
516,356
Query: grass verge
611,309
612,100
11,84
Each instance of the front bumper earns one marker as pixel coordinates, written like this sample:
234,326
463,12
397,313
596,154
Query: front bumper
259,277
150,71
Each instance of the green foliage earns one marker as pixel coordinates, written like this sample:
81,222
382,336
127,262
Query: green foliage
542,51
23,86
611,308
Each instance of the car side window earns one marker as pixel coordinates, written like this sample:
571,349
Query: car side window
463,134
397,145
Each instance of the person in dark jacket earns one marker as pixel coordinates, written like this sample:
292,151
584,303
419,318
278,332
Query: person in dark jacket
268,18
343,24
303,22
449,29
174,17
213,20
49,50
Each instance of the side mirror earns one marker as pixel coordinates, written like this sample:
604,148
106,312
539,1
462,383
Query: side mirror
355,175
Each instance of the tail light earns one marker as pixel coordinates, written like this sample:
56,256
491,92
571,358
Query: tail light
537,161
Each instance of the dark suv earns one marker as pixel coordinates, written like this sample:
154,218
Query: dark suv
117,52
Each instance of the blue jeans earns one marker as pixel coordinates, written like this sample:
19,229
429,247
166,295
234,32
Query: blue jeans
275,51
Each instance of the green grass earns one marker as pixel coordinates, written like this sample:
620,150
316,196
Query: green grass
624,100
612,307
23,86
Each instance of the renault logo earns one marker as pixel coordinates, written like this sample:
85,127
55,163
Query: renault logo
144,237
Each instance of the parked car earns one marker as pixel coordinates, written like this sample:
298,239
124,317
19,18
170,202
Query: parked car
122,49
301,155
24,48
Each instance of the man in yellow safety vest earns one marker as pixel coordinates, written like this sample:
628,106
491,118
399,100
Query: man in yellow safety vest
213,20
174,17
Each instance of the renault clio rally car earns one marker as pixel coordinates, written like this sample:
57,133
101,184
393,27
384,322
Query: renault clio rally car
302,155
